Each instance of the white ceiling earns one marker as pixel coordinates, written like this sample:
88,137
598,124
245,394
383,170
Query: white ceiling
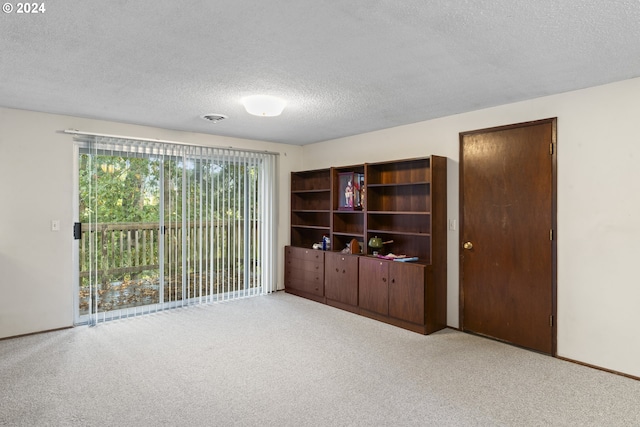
345,67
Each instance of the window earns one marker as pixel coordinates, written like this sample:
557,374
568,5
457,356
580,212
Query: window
165,225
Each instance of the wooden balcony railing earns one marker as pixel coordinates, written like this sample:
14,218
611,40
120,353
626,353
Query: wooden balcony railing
119,248
123,261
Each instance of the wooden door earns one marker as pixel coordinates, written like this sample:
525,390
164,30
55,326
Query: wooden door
507,231
406,292
373,293
341,277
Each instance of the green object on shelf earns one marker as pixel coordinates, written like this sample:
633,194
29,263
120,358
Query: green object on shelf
375,242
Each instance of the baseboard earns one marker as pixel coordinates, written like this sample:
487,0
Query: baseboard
566,359
599,368
35,333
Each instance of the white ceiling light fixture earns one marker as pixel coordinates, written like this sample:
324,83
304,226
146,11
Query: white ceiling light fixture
264,105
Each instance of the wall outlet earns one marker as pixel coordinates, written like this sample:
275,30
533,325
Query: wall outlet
55,225
452,224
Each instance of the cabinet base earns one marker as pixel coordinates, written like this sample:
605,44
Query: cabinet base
343,306
421,329
306,295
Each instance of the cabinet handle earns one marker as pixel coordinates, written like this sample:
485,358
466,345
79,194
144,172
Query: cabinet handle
306,252
343,258
384,279
393,280
344,271
337,270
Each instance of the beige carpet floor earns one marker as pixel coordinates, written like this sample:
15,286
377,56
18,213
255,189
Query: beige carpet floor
280,360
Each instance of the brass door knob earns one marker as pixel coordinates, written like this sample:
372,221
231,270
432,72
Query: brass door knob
467,245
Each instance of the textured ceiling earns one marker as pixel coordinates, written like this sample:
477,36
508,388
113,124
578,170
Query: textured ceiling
345,67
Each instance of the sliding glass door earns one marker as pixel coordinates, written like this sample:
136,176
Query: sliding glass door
120,239
165,225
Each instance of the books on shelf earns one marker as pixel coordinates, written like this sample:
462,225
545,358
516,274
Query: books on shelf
401,258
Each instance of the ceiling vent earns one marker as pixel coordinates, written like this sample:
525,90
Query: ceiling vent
215,118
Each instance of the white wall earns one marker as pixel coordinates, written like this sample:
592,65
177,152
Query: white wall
598,207
36,183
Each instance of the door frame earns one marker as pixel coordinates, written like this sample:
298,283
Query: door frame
554,217
75,244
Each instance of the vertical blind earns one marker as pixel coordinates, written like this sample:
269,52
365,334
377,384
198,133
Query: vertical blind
166,225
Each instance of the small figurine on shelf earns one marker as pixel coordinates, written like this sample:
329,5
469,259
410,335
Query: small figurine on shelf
326,243
348,195
356,195
349,187
361,192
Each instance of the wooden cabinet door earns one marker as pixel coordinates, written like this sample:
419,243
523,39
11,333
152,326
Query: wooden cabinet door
406,292
373,285
305,280
341,277
304,270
